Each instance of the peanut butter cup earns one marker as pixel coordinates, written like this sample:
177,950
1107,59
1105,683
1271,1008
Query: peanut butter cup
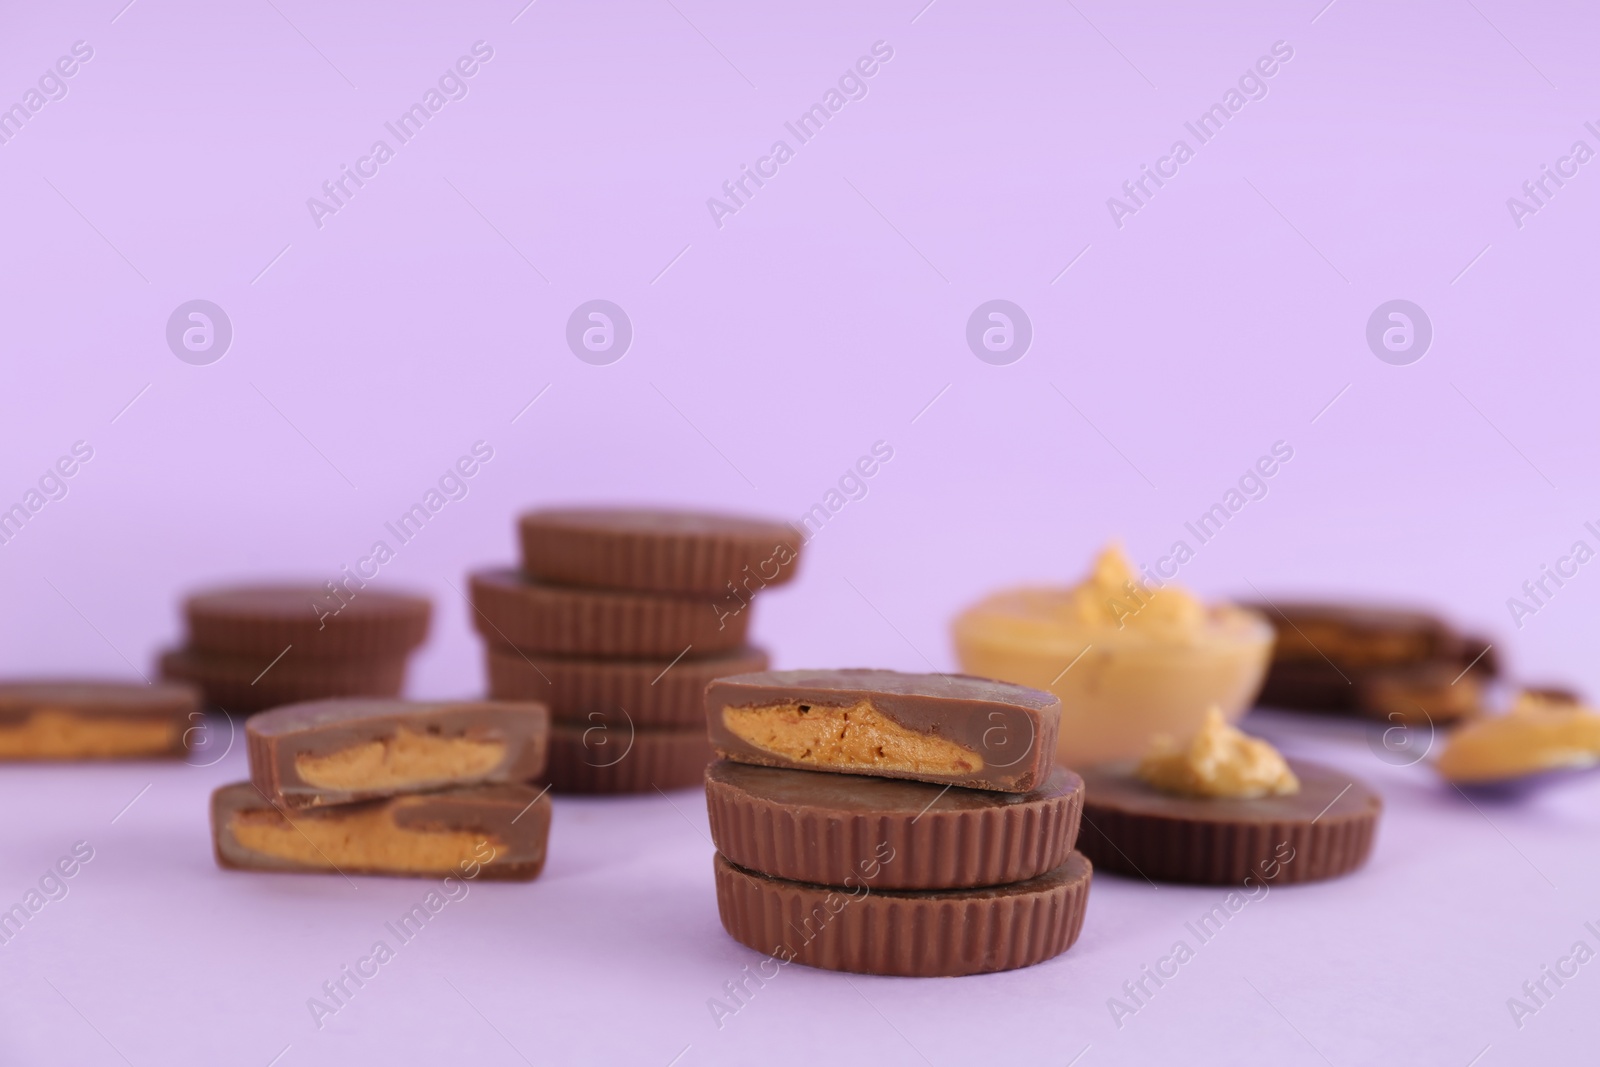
511,609
911,934
612,755
845,829
656,693
482,831
1323,830
261,620
339,751
75,719
661,551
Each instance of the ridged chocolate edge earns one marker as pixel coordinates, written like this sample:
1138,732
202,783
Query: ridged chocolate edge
223,688
657,693
385,636
576,622
913,935
1226,853
653,759
659,561
933,850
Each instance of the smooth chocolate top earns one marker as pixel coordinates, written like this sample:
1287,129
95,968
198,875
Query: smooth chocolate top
1011,728
321,714
88,697
767,687
1326,795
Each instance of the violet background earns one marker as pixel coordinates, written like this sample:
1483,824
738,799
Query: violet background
768,356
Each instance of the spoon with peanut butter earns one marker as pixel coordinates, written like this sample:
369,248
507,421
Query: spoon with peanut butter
1542,734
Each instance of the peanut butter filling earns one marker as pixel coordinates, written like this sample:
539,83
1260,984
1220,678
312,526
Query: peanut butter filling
54,734
858,735
1219,761
366,838
406,759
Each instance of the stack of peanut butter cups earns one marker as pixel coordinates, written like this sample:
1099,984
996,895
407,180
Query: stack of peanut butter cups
255,647
938,841
391,787
616,621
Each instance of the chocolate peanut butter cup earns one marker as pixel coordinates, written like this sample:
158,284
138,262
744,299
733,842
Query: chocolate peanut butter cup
245,685
1436,693
1356,635
536,617
263,620
338,751
656,693
949,729
1309,686
661,551
1323,831
67,720
493,832
910,934
1441,690
611,755
846,829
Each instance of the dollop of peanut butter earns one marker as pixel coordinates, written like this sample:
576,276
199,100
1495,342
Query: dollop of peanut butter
1539,733
1113,596
1219,761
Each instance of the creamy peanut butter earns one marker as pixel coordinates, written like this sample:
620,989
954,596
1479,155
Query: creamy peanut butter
1130,658
1112,596
364,838
406,759
1219,761
857,735
53,734
1538,734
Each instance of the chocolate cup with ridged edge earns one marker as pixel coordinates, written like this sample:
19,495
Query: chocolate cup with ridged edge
510,609
908,934
262,620
612,756
251,685
656,693
685,553
1323,831
839,829
1354,635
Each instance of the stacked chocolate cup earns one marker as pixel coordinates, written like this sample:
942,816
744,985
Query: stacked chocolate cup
1394,665
938,841
390,787
256,647
616,621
